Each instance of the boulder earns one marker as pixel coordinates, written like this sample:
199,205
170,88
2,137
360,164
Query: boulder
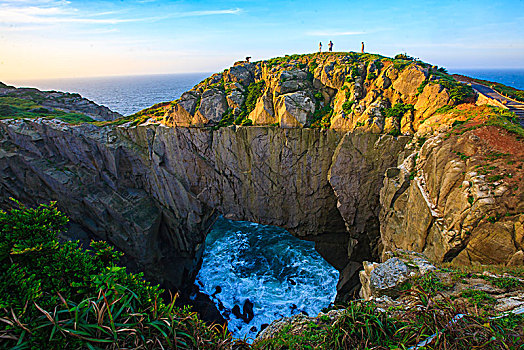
294,109
388,278
212,107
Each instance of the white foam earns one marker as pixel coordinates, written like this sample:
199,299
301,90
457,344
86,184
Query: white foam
257,262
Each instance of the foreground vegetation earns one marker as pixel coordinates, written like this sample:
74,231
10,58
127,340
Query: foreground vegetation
57,296
431,321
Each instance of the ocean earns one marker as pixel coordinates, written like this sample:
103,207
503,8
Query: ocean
123,94
510,77
265,266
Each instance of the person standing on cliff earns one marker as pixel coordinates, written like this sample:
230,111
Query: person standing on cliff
330,46
362,47
320,46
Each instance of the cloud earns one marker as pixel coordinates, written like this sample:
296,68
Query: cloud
332,33
33,12
208,13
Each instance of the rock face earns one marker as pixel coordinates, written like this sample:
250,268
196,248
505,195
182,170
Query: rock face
61,100
154,189
343,91
104,185
103,178
457,199
388,278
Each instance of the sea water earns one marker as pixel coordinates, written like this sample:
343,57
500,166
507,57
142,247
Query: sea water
278,273
123,94
510,77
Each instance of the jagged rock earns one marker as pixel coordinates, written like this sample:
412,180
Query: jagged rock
297,323
67,102
387,279
408,81
235,100
264,113
294,109
291,81
240,73
433,97
440,207
212,106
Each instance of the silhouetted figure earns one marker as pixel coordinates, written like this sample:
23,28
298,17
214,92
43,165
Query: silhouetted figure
362,47
320,46
248,58
330,46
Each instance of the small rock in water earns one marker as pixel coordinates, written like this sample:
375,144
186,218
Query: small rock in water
293,283
263,326
218,290
247,311
253,329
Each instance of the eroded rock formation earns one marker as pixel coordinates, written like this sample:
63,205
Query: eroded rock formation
154,186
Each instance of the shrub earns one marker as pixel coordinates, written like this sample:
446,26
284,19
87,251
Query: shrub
346,106
398,110
404,56
56,295
458,93
254,91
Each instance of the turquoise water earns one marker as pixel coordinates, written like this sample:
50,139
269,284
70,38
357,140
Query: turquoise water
279,274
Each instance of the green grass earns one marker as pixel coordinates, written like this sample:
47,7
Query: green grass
506,120
346,106
57,295
362,326
18,108
477,297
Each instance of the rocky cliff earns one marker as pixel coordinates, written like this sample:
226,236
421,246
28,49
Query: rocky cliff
458,197
154,191
45,102
342,91
355,152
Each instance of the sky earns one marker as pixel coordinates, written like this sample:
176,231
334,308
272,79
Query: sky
58,38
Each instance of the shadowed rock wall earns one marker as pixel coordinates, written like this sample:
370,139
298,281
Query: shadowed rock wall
154,191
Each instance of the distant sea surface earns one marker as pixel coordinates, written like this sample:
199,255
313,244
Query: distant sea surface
510,77
123,94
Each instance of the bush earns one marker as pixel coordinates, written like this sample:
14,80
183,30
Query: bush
56,295
458,93
346,106
398,110
404,56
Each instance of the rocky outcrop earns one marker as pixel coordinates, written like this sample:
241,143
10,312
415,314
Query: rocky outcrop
389,277
105,186
344,91
457,199
67,102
